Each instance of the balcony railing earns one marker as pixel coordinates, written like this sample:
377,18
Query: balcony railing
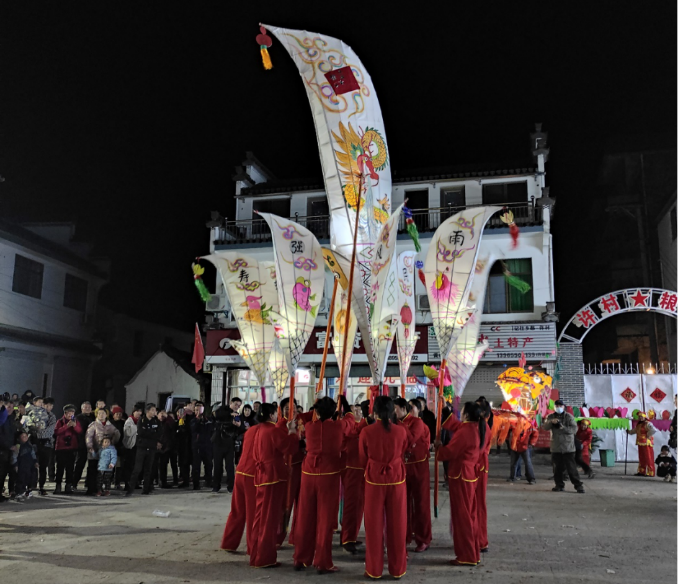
427,220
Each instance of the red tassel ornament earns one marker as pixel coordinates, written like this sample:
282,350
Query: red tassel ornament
265,43
507,217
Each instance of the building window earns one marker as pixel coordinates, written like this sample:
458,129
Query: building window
276,206
674,224
501,298
75,293
27,277
318,207
138,345
502,193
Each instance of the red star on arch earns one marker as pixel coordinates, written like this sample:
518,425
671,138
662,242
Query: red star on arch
639,299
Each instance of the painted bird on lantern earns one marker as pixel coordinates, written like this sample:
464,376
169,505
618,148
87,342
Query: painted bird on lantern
302,296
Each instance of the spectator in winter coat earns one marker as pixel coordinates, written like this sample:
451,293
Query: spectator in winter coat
36,419
45,443
67,434
184,444
108,457
96,432
523,437
168,452
6,445
201,439
227,428
119,424
130,441
149,433
563,428
25,463
428,417
101,405
85,418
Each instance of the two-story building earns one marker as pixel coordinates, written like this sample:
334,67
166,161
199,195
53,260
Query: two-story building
513,323
49,285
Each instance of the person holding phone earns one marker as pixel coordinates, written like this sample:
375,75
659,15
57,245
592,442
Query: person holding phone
67,434
227,428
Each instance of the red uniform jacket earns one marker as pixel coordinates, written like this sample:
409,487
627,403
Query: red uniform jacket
382,453
271,444
524,436
419,437
463,452
247,465
298,453
352,444
67,438
324,443
584,435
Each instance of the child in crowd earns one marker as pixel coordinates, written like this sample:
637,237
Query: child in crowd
108,457
25,463
666,465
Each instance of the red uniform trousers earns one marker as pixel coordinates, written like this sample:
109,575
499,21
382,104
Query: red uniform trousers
481,511
354,501
317,511
418,502
462,500
295,485
266,521
243,509
646,460
392,500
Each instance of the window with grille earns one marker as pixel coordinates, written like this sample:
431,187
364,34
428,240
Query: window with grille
75,293
502,298
27,277
502,193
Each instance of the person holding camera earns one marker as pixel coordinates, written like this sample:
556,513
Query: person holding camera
563,428
227,428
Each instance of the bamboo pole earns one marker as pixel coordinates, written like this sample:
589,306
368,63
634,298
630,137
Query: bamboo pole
342,375
439,407
402,390
330,316
291,415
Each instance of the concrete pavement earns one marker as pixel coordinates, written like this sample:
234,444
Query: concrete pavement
622,530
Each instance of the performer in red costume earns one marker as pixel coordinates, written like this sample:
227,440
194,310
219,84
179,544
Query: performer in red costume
644,432
270,445
353,481
244,499
418,475
318,504
481,486
295,477
583,457
463,453
382,451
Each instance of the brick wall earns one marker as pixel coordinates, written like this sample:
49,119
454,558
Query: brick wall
571,370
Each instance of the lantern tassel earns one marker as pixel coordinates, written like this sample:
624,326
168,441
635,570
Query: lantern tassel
412,228
266,58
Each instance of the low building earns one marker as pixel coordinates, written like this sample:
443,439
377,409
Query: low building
513,323
49,285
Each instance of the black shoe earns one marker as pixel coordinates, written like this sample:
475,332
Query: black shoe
230,490
69,490
208,484
558,489
57,489
129,493
485,550
591,474
510,480
581,490
215,490
299,567
196,487
43,493
350,548
145,492
532,482
165,486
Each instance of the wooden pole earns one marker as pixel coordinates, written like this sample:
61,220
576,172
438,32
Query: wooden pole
402,390
439,406
342,375
330,316
292,414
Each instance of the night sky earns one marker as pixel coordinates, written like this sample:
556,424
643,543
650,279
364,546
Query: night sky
129,118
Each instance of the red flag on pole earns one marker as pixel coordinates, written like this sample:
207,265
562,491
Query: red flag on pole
198,350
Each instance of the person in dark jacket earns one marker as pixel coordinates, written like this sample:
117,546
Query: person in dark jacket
184,443
149,433
6,444
118,422
84,418
227,428
67,436
168,452
428,417
201,441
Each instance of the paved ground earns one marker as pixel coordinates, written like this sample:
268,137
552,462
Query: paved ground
622,530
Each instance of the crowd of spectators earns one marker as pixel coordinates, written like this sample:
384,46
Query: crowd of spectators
113,449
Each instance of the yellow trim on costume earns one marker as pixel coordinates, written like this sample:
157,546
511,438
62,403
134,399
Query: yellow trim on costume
417,461
351,541
273,483
401,575
320,474
243,474
355,467
448,417
384,485
275,424
462,478
469,481
373,577
467,563
406,416
266,566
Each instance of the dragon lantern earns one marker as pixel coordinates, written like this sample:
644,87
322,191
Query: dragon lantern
526,392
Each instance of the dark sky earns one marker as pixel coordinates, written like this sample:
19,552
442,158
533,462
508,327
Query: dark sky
130,116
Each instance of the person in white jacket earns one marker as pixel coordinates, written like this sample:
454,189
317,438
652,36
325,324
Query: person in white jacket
129,441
